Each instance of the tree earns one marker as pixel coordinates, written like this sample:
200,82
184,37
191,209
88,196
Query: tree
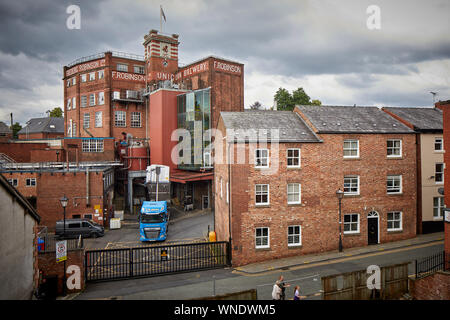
56,112
16,127
256,106
286,101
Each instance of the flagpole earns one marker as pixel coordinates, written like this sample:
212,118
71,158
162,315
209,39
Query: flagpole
160,18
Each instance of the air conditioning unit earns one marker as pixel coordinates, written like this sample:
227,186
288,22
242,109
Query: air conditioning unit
132,94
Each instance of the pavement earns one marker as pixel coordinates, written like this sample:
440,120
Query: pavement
286,263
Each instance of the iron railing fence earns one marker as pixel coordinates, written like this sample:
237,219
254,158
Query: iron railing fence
436,262
124,263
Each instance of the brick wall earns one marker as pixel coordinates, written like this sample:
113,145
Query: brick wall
321,175
49,267
76,153
445,106
21,152
433,287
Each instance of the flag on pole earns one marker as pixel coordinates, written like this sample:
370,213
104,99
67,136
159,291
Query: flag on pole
162,14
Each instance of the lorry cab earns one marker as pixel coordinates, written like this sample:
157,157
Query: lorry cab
153,221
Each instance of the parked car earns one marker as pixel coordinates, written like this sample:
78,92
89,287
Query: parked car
76,227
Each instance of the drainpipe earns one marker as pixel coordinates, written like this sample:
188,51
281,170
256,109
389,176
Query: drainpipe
87,187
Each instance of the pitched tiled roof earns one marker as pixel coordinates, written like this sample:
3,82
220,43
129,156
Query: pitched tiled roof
347,119
248,125
420,118
4,128
49,125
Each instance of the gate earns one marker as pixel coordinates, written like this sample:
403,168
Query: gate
113,264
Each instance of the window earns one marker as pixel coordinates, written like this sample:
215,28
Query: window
98,119
74,129
262,194
351,223
120,119
92,76
394,148
139,69
116,95
92,99
88,216
69,101
394,221
92,145
293,158
13,182
294,236
74,225
74,81
74,103
261,158
101,74
351,148
438,207
135,119
122,67
439,173
294,191
438,144
76,216
351,185
68,83
101,97
31,182
83,101
394,184
207,160
83,78
262,238
86,120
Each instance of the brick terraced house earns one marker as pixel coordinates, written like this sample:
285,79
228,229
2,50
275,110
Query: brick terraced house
282,197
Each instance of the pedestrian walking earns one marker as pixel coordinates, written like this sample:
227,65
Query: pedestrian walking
283,287
297,293
276,292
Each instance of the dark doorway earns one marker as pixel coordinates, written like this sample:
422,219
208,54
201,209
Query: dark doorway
372,230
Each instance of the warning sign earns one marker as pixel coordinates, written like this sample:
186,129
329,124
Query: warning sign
61,251
164,255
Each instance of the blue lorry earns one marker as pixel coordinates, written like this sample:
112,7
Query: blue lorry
153,221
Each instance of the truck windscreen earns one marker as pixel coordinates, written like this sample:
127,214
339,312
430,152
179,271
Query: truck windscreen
152,218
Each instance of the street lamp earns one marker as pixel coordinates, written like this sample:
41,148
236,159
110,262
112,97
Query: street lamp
340,195
64,201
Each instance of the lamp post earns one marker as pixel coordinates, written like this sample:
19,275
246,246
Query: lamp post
64,202
340,195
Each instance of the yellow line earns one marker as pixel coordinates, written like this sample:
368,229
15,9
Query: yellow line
339,260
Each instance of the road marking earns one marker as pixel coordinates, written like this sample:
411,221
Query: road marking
338,260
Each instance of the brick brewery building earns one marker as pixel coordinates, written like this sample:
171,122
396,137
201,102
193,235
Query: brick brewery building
148,97
293,210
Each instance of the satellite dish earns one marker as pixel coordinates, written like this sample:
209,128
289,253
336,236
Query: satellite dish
441,191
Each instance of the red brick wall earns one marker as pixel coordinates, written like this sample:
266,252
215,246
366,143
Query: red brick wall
41,135
26,191
48,155
49,267
21,152
108,153
433,287
321,175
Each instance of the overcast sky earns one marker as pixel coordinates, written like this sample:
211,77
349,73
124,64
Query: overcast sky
320,45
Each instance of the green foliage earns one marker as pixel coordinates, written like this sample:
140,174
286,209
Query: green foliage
16,127
287,101
56,112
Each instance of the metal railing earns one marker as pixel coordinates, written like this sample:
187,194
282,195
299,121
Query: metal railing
49,243
124,263
102,54
436,262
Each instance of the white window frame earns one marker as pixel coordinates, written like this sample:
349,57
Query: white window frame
122,67
293,158
14,182
101,98
30,182
74,103
69,102
290,192
92,99
351,185
293,235
118,121
83,101
261,158
135,123
440,208
351,222
86,120
83,77
116,94
140,69
262,236
439,172
92,76
92,145
98,119
74,81
401,184
351,149
400,228
68,83
101,74
262,193
441,143
393,148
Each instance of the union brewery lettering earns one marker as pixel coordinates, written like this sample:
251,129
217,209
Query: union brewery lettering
195,69
226,67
